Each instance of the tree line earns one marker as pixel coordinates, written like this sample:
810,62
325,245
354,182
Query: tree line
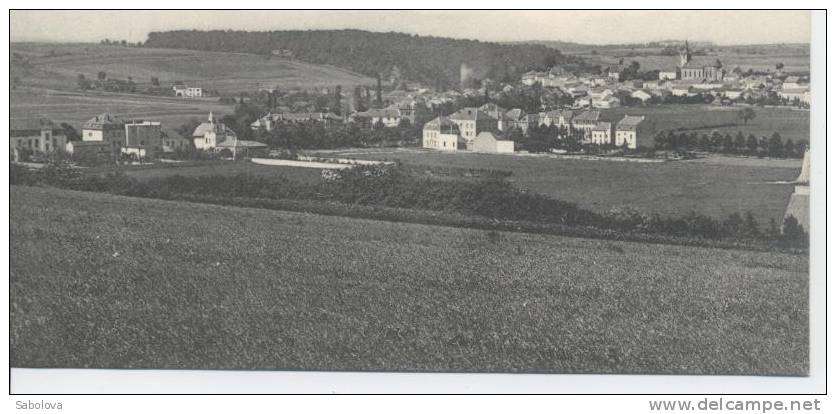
739,144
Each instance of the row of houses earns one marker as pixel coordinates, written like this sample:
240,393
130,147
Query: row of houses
463,129
108,134
391,116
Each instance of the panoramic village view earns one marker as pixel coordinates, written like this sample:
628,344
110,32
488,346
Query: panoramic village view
361,200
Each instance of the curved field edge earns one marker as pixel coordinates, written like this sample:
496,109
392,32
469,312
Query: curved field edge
115,282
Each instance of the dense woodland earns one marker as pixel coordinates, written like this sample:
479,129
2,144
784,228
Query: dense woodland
434,61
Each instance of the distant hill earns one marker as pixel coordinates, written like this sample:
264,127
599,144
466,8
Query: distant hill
56,66
435,61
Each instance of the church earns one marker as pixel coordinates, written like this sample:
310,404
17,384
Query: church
690,70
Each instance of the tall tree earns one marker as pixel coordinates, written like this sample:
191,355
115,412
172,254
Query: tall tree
338,96
746,114
379,100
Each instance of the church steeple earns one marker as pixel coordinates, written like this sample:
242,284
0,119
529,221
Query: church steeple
211,118
685,56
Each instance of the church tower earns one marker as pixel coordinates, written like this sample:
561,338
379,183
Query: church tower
684,56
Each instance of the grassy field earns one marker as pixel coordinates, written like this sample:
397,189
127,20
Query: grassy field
796,58
113,282
704,119
75,108
47,85
300,174
57,65
715,187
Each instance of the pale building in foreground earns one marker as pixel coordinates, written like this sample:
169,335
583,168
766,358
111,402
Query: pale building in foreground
105,128
442,134
601,134
631,132
209,134
488,142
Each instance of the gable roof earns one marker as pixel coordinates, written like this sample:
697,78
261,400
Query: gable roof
629,122
105,120
588,116
515,114
487,135
470,114
442,124
602,126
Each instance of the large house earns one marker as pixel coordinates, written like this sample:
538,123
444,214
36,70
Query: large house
471,121
585,121
106,129
143,138
558,118
632,132
36,135
442,134
601,134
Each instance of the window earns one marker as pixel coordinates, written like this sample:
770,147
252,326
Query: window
37,143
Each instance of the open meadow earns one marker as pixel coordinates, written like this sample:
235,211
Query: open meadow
299,174
56,66
75,108
715,187
796,58
104,281
46,76
705,119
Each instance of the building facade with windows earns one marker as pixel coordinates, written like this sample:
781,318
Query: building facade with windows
442,134
36,135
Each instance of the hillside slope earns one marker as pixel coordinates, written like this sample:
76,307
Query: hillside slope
435,61
57,66
103,281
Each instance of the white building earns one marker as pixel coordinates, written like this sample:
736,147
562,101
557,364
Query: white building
606,102
209,134
641,95
601,134
472,121
668,75
187,91
488,142
105,128
442,134
631,132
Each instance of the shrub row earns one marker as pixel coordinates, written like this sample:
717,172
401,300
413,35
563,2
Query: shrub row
394,187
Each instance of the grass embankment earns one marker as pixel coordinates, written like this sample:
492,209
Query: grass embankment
105,281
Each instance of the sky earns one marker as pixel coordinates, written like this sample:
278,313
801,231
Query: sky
588,27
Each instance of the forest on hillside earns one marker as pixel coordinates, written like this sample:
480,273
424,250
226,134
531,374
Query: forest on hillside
434,61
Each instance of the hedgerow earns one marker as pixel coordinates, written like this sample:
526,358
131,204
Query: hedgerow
398,190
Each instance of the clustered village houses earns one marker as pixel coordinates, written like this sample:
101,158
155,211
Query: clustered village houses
481,129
